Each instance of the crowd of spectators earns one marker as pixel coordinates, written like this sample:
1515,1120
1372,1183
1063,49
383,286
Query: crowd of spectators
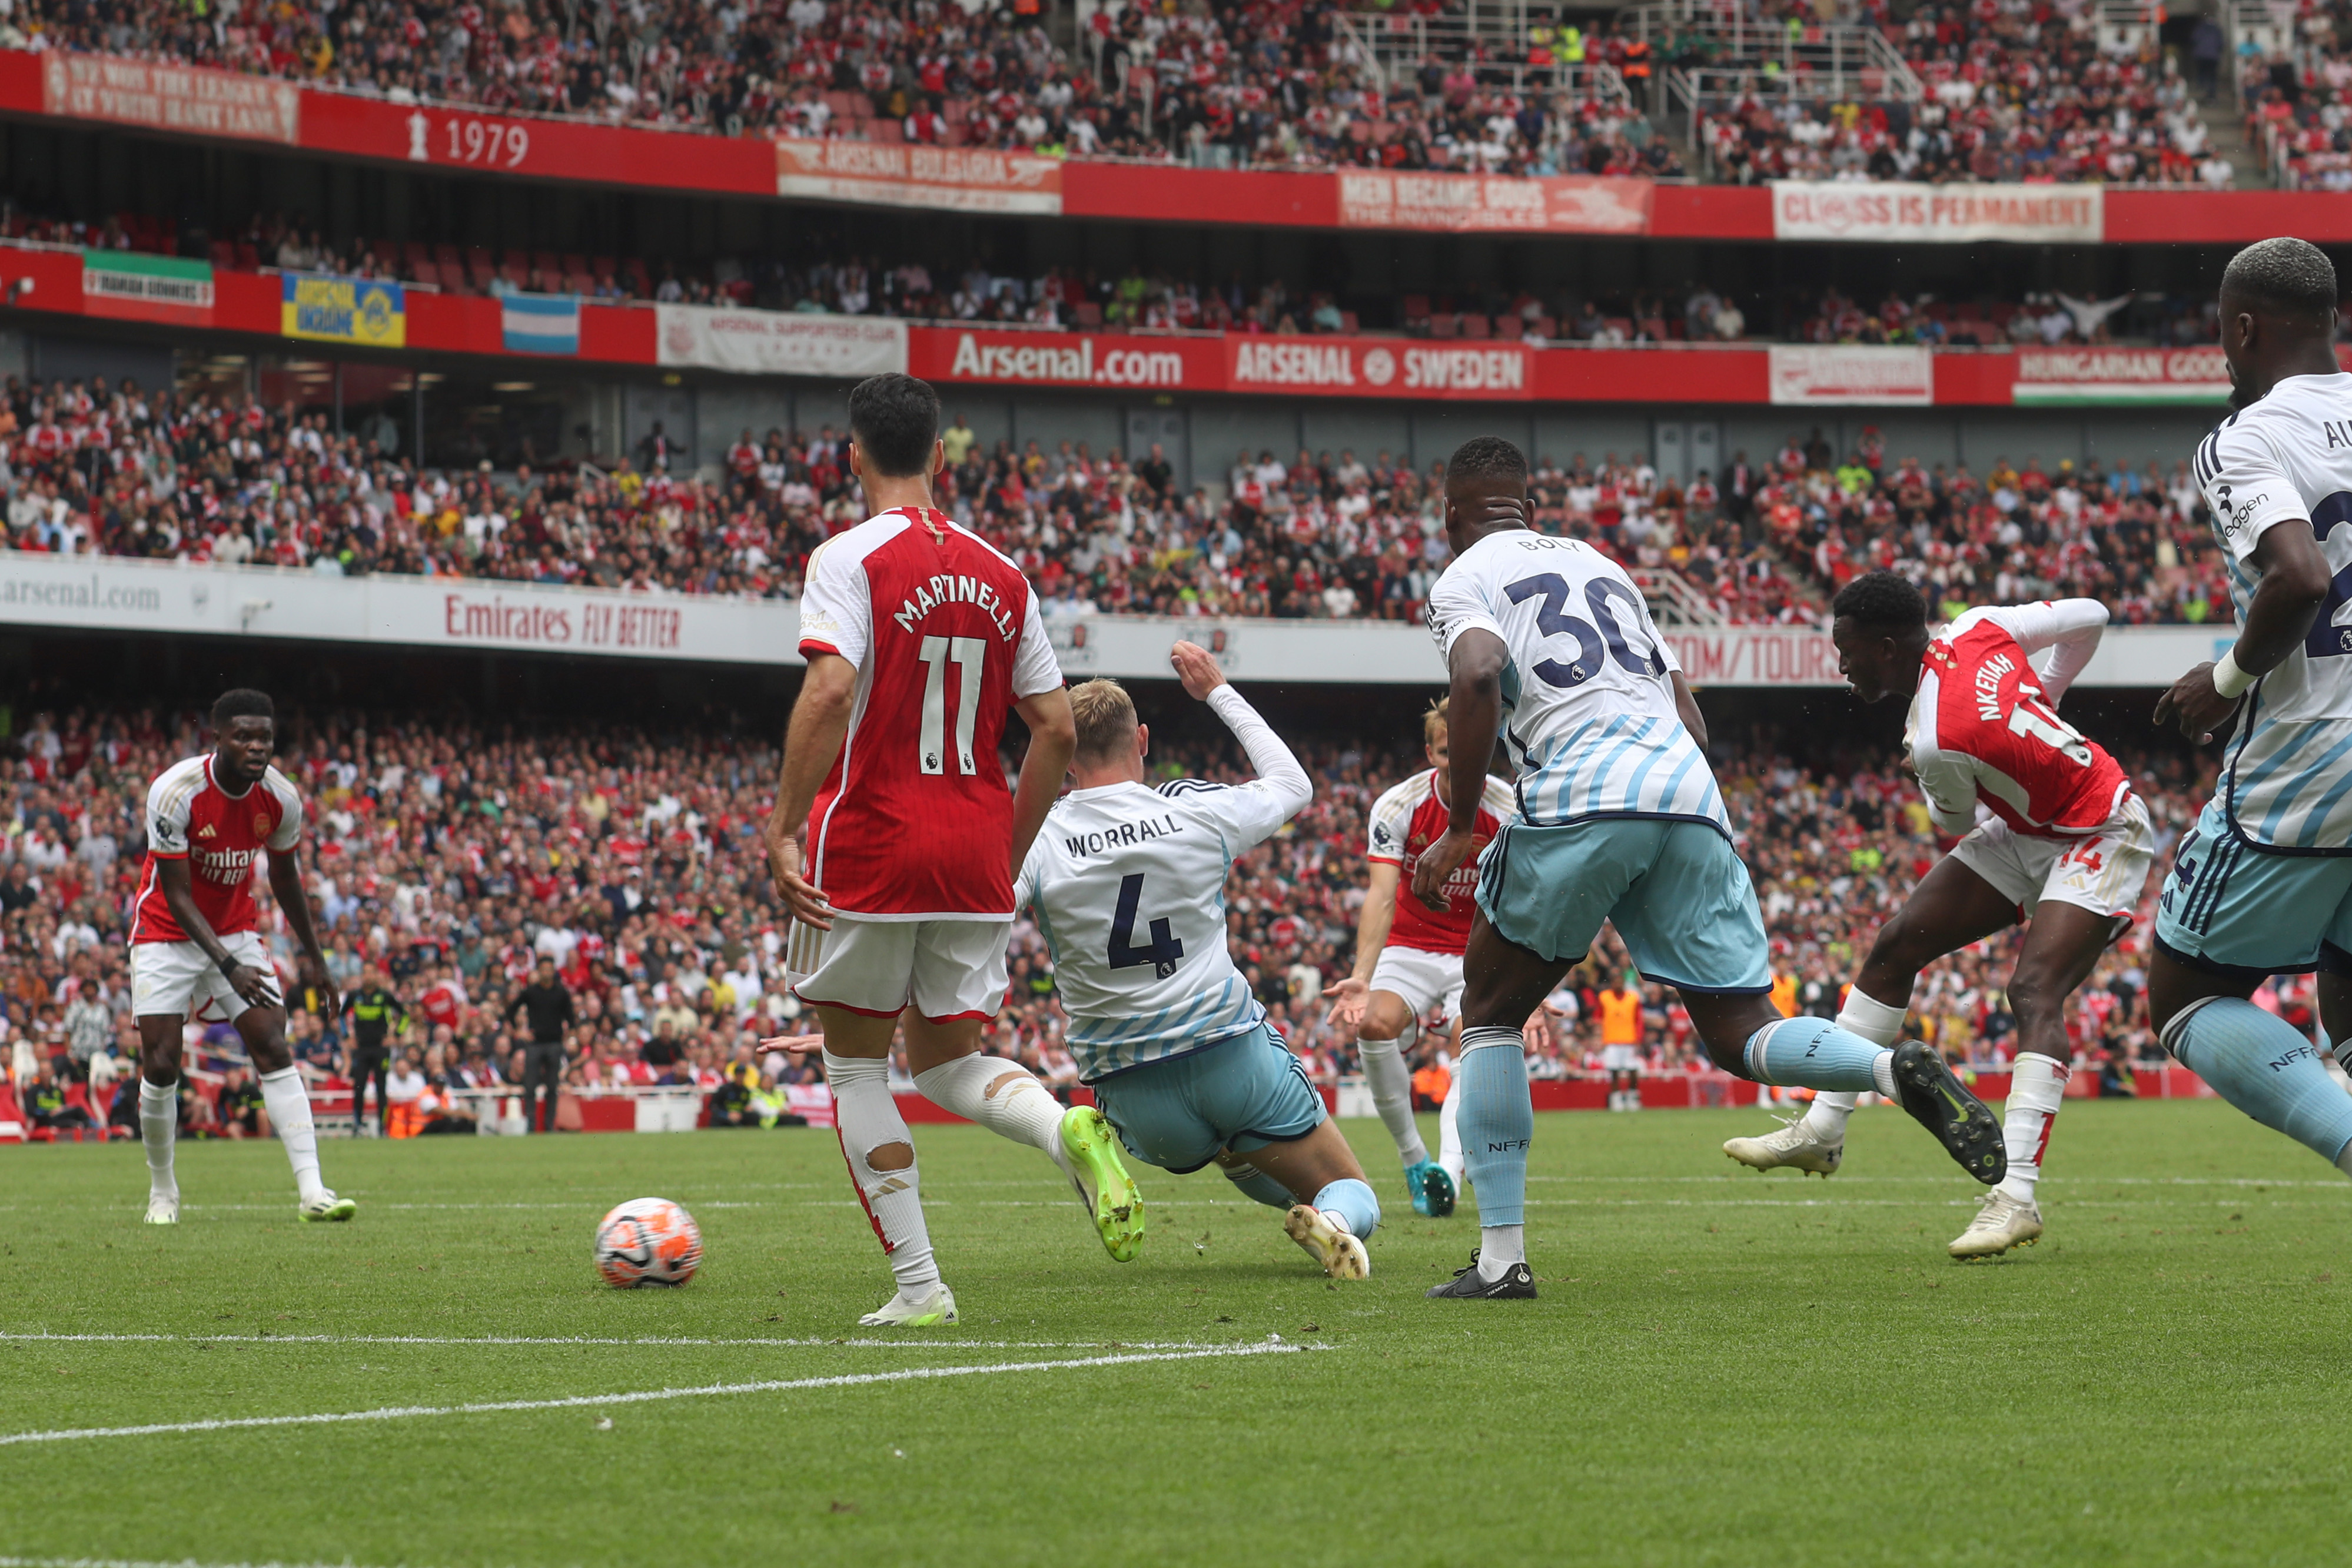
116,470
2014,89
447,862
2298,100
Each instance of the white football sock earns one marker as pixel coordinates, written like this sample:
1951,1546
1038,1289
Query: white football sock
1001,1096
1874,1021
289,1113
1391,1087
1499,1246
159,1124
866,1118
1882,1074
1449,1127
2036,1090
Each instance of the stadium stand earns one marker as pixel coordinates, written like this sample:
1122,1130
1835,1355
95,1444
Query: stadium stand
124,471
1995,90
453,857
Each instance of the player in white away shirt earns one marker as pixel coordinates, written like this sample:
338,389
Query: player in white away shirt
1127,884
2263,885
1550,647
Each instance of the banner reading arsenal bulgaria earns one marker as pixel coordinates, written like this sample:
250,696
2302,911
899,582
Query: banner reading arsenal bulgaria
956,179
2030,215
1562,205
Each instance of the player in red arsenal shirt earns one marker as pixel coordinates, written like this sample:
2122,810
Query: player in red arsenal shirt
1409,960
894,838
2066,844
194,942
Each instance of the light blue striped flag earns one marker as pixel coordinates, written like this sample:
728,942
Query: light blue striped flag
541,323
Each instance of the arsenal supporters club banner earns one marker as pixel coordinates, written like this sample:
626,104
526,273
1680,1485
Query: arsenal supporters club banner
955,179
1943,214
1378,367
1479,203
776,342
1852,374
189,99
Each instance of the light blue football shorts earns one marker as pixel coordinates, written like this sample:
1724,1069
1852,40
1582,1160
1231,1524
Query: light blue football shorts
2232,908
1242,1093
1676,892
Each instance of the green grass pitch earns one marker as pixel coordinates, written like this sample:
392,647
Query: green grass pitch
1724,1367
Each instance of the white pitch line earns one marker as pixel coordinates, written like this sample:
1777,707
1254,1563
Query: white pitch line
602,1401
651,1341
134,1563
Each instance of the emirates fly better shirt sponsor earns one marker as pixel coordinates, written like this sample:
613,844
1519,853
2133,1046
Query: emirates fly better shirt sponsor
222,836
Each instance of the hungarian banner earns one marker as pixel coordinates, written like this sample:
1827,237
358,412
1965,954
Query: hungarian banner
953,179
2108,375
1852,374
131,287
1067,359
364,311
1378,367
1470,203
774,342
189,99
1937,215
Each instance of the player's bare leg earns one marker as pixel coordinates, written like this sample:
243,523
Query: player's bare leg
1333,1208
1382,1037
263,1030
1951,907
159,1111
1449,1125
1004,1096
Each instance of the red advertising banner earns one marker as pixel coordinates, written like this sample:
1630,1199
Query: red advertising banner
1379,367
1194,363
1481,203
952,179
188,99
533,147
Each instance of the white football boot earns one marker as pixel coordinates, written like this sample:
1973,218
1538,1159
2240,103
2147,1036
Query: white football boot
163,1208
324,1207
1335,1251
1796,1145
2003,1223
897,1312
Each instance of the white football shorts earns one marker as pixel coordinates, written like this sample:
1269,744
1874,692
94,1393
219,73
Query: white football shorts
944,969
175,979
2103,872
1424,979
1621,1058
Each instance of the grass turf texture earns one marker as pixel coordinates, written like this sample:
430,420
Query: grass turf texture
1724,1367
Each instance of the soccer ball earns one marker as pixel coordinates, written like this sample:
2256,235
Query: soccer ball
648,1241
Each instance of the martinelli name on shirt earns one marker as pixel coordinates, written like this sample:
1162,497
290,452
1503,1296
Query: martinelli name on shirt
953,589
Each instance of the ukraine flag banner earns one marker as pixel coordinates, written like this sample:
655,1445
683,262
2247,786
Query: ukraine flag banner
358,310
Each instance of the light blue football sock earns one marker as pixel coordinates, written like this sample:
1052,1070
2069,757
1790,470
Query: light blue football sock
1254,1183
1497,1121
2262,1065
1353,1202
1817,1054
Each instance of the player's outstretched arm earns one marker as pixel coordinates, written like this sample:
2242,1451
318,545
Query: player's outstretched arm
1053,741
1282,784
820,723
294,900
1474,715
2295,582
